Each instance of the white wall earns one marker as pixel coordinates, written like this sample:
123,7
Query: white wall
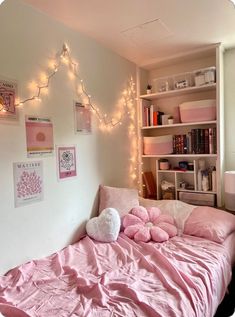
28,40
229,93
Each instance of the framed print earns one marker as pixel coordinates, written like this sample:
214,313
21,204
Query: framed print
39,136
28,182
8,93
66,162
82,118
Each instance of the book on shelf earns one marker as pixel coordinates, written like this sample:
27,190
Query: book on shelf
152,116
150,185
197,141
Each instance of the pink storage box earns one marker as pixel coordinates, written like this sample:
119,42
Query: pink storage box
158,145
196,111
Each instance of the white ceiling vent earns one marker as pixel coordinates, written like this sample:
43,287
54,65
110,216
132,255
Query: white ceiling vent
147,33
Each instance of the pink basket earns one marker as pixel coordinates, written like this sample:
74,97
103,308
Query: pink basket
158,145
197,111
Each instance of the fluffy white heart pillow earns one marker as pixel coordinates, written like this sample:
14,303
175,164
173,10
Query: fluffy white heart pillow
105,227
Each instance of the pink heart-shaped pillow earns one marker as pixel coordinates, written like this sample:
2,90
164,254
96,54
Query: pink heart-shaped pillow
105,227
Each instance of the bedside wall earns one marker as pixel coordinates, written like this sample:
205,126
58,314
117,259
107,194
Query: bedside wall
28,40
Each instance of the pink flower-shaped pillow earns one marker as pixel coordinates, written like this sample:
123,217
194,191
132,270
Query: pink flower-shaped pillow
145,224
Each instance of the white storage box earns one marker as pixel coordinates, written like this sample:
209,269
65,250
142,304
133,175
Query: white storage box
197,198
158,145
229,188
196,111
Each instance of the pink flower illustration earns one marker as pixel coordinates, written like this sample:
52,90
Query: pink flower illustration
29,184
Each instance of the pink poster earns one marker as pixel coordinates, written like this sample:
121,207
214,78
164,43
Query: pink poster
39,136
28,182
8,91
66,162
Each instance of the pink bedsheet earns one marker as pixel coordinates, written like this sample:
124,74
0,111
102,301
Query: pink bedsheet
185,276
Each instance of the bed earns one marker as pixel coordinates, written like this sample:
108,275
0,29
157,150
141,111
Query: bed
184,276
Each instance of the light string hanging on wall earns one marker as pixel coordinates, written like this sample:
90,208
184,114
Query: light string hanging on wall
106,124
127,103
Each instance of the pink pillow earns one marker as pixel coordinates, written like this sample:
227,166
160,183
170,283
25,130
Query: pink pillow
11,311
210,223
145,224
122,199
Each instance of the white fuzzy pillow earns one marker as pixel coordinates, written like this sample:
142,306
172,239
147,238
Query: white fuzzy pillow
105,227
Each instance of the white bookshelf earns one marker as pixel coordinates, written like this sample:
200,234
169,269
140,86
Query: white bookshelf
166,102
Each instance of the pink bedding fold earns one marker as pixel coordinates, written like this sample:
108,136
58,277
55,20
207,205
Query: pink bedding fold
185,276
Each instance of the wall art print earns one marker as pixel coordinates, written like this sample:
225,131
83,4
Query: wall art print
82,118
66,162
28,182
39,136
8,93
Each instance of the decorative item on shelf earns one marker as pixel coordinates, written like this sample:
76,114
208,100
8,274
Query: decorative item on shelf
183,185
149,89
183,80
205,76
164,164
163,84
201,168
205,181
190,166
170,120
165,118
168,190
183,165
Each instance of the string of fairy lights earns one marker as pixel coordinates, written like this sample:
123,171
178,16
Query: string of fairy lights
126,106
128,96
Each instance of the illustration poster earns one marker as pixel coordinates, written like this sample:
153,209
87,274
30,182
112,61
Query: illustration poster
82,118
8,91
66,162
28,182
39,136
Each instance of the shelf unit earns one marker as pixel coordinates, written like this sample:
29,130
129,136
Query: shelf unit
168,102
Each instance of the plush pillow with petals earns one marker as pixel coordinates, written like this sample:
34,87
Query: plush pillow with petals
145,224
122,199
105,227
177,209
210,223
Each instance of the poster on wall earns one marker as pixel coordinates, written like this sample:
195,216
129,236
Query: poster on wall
39,136
28,182
8,93
66,162
82,118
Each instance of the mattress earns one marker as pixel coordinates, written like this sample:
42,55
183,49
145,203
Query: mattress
184,276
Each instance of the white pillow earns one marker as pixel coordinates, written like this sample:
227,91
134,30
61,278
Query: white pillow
105,227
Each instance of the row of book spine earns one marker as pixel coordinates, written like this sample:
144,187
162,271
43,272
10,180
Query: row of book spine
197,141
151,116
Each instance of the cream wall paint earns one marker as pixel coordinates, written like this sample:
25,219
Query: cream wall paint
229,93
28,40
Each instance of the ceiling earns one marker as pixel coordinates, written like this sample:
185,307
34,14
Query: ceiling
147,31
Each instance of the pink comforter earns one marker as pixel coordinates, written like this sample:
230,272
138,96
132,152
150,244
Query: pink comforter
185,276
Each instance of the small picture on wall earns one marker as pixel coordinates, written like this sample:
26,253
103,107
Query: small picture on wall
8,93
66,162
28,182
82,118
39,136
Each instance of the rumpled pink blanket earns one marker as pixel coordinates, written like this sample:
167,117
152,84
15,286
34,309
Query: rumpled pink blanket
184,276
